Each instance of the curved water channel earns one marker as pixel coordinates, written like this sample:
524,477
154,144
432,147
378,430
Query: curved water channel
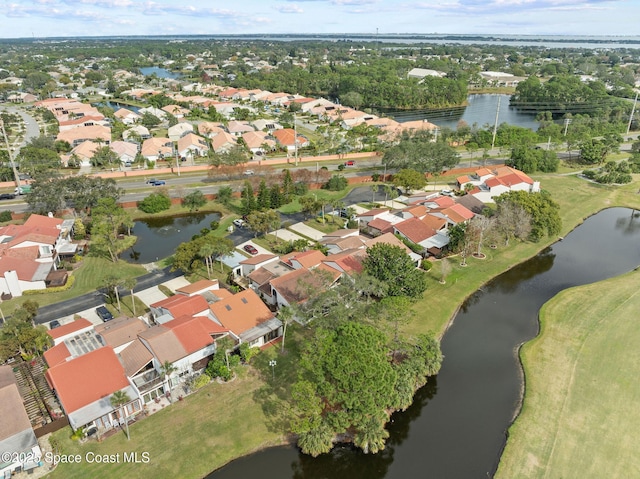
457,424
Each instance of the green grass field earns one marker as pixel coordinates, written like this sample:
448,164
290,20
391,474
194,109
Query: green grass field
580,416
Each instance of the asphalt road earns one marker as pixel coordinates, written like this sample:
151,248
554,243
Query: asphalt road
95,299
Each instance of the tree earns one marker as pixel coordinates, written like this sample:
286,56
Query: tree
107,219
264,196
374,190
336,183
155,202
544,212
263,221
286,315
149,120
248,199
194,200
393,266
420,152
479,227
225,193
104,156
35,161
445,270
112,283
409,180
118,400
167,368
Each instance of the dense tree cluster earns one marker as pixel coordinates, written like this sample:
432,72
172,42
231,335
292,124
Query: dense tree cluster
544,212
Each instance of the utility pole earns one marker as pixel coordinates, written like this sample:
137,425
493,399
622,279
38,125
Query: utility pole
177,161
633,110
495,125
295,139
10,153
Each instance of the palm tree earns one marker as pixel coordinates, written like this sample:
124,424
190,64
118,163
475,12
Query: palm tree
374,190
286,315
167,370
206,251
118,400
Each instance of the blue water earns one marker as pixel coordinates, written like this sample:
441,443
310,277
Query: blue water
160,72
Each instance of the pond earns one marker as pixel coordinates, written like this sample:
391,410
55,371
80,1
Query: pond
159,237
456,427
159,72
480,110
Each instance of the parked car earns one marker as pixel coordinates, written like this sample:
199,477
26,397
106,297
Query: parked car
350,163
54,324
7,196
447,193
250,249
239,223
248,173
104,313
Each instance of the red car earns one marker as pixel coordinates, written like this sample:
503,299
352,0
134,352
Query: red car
350,163
250,249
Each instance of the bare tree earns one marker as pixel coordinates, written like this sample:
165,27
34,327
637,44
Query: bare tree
445,270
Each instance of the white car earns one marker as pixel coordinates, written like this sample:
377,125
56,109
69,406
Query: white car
248,173
239,223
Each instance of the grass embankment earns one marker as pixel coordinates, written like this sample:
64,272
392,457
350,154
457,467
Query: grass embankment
188,439
580,415
219,423
88,278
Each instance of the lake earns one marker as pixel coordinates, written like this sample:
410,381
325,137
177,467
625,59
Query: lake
456,427
159,237
160,72
480,110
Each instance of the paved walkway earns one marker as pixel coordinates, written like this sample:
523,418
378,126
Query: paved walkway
307,231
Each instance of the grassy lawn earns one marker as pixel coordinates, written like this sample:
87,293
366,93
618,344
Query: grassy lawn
588,348
188,439
88,277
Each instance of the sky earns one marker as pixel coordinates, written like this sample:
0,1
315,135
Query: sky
81,18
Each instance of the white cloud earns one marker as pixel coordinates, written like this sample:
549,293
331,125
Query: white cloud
294,8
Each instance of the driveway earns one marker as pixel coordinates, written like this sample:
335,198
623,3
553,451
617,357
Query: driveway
151,295
260,249
176,283
287,235
307,231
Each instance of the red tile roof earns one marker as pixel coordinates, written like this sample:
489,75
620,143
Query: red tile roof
415,230
241,312
194,333
179,305
198,286
57,354
69,328
87,378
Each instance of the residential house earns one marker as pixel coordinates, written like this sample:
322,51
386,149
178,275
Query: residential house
249,265
286,138
248,318
258,141
267,125
223,142
179,130
135,132
424,72
83,121
176,110
155,149
485,184
191,145
69,330
199,287
127,117
415,231
96,133
125,150
121,332
29,252
237,128
179,305
84,386
18,443
297,286
210,128
259,279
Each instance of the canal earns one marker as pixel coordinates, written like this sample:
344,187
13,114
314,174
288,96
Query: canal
456,427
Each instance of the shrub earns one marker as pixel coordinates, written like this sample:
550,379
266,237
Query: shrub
375,177
201,381
246,352
194,201
426,265
214,225
336,183
154,203
5,216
